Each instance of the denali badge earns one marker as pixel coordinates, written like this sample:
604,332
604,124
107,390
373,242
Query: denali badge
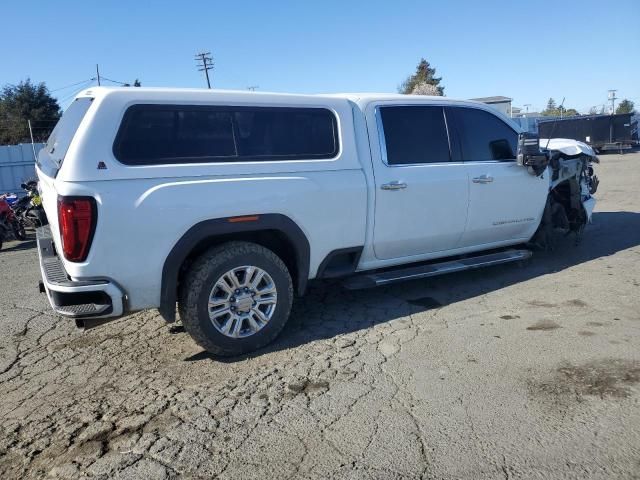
518,220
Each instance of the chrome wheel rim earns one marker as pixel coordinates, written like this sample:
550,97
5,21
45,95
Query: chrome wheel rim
242,301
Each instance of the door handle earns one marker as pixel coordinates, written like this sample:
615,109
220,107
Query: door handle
395,185
482,179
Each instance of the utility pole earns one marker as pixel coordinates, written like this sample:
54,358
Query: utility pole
98,74
253,88
526,106
33,147
612,99
205,63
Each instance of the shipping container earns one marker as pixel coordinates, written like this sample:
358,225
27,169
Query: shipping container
602,132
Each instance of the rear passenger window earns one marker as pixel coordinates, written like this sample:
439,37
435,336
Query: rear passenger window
484,136
156,134
415,134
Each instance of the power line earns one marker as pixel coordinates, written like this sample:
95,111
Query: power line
205,63
113,81
72,85
68,97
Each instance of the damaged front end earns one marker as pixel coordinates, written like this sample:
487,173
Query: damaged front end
572,183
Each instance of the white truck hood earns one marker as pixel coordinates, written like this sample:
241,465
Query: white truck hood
567,146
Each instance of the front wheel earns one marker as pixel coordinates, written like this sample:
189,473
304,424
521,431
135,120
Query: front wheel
235,298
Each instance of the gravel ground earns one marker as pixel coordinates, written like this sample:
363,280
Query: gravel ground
508,372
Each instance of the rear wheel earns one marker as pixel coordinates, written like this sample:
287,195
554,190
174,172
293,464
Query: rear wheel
235,298
18,230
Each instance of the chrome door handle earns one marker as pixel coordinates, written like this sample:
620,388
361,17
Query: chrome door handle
395,185
482,179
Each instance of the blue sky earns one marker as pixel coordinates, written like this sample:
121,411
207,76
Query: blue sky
529,51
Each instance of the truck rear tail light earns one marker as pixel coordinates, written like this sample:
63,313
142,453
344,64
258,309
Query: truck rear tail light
77,220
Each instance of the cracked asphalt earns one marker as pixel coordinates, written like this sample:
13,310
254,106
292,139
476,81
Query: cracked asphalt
509,372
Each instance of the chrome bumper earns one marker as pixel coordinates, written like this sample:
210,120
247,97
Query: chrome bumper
79,299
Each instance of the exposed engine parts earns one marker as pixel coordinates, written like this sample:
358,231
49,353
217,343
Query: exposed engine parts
569,203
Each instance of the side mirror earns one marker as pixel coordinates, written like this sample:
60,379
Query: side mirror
528,145
529,154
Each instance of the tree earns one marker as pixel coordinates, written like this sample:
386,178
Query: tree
21,103
625,106
425,89
568,112
593,111
553,110
425,74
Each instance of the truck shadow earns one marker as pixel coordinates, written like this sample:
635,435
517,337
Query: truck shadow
330,310
17,245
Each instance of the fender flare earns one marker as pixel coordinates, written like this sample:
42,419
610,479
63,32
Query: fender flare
225,226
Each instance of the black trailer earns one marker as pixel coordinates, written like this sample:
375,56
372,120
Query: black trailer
602,132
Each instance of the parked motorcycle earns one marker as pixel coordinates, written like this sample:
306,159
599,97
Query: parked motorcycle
28,209
9,223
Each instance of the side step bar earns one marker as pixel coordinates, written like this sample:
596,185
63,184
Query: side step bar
370,280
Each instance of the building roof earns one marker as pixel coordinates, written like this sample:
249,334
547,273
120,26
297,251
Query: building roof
496,99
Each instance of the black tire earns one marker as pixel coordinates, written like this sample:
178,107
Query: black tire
41,217
18,230
203,274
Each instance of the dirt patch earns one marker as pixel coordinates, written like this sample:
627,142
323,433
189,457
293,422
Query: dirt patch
308,386
576,303
541,303
509,317
586,333
544,325
595,324
601,378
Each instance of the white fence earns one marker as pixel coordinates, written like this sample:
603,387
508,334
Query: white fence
16,166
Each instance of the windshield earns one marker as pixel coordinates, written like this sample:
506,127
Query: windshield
61,137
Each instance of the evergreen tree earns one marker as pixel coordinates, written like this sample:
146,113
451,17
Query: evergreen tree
425,74
552,108
625,106
21,103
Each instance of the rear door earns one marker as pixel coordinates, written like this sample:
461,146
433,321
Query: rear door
420,194
52,155
505,200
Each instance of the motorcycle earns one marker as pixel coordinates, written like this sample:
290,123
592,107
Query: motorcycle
9,223
28,209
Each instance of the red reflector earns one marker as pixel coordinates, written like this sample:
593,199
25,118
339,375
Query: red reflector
77,220
248,218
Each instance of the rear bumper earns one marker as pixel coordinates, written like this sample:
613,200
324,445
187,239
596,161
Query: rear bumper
79,299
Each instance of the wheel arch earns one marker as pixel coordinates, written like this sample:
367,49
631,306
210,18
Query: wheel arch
274,231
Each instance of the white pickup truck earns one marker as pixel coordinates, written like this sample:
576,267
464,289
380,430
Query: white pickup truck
227,204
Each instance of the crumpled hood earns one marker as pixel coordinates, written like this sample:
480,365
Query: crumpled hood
567,146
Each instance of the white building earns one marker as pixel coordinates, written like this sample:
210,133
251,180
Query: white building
502,104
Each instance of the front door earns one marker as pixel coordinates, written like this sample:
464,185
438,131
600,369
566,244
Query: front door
421,196
505,200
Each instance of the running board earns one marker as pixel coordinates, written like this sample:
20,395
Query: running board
370,280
